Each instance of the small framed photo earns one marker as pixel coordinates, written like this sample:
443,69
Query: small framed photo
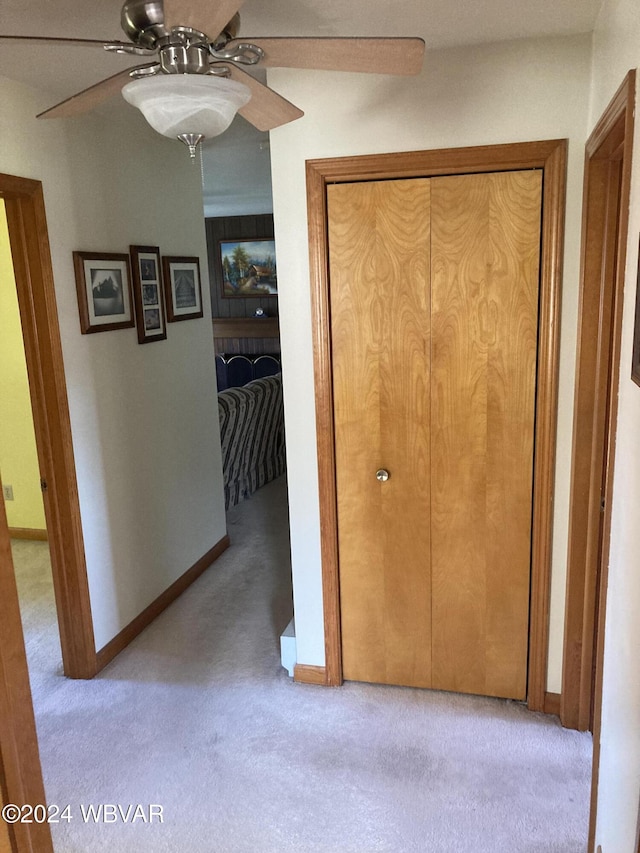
148,295
247,268
104,291
182,288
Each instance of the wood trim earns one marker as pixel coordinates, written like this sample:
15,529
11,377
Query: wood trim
304,673
28,533
552,704
31,255
441,161
607,168
611,142
317,180
250,327
19,752
549,155
131,631
551,260
7,838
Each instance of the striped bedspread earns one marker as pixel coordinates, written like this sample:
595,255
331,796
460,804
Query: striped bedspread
252,436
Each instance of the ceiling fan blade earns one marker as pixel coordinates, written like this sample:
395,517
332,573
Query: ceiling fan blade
83,102
266,109
202,15
372,55
46,39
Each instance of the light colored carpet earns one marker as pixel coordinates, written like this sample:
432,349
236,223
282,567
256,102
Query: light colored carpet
198,716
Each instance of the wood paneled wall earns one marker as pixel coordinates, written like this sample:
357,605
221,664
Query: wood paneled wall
247,336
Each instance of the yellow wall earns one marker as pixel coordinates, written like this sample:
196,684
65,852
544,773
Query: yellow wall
18,460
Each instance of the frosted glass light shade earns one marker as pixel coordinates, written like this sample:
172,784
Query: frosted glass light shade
187,103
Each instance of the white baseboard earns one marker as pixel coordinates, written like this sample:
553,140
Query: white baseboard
288,651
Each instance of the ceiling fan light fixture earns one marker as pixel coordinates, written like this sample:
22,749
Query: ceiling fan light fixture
193,105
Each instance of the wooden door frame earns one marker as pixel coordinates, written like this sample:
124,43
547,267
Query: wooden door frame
551,157
607,179
20,769
601,292
28,235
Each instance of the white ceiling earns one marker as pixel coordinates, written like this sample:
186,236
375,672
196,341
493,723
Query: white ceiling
237,156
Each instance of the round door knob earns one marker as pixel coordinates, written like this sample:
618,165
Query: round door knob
382,475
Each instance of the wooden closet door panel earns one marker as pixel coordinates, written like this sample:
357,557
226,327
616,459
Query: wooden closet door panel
380,314
485,273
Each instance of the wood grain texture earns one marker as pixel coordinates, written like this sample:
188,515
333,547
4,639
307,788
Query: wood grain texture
31,257
596,362
67,42
612,142
551,260
485,268
93,96
374,55
322,365
28,533
308,674
267,109
438,161
20,770
552,704
379,269
246,327
7,841
551,157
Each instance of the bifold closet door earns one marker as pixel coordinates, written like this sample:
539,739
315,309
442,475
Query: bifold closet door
485,245
379,271
433,296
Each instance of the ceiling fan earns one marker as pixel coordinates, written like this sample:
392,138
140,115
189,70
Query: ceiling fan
192,84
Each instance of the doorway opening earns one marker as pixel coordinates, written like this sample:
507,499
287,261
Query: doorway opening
28,238
607,182
23,497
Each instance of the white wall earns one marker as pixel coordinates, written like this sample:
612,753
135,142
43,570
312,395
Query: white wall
616,50
509,92
143,418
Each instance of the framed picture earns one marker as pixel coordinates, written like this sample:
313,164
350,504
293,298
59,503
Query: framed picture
182,288
635,360
148,296
104,291
248,268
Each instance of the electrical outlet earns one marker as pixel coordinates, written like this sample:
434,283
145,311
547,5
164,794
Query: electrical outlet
7,492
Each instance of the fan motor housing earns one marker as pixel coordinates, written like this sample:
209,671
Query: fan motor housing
143,22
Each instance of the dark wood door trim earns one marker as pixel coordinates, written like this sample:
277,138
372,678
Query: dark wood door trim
607,188
550,156
20,772
607,182
29,239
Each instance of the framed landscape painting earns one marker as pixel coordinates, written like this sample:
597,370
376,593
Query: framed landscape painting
104,291
248,268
